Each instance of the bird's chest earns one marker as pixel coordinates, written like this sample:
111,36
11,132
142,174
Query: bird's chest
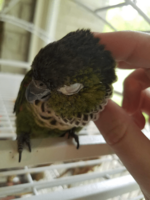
46,117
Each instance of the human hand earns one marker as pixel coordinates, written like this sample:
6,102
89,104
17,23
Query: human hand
121,127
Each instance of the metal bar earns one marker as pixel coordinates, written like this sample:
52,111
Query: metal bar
26,26
51,148
15,63
118,93
9,110
56,182
11,4
95,14
35,192
147,19
5,128
7,116
58,166
35,45
137,198
52,19
110,7
5,123
4,118
7,136
101,190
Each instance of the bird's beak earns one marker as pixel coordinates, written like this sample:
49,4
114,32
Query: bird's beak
34,93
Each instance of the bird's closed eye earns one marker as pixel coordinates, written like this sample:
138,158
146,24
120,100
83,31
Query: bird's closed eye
72,89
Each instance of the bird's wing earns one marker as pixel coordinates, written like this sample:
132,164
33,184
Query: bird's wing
21,94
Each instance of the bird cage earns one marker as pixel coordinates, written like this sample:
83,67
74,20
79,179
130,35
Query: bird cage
55,169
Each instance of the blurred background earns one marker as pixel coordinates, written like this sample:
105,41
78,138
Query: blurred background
25,27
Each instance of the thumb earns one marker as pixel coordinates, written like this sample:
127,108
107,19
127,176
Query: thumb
113,123
127,141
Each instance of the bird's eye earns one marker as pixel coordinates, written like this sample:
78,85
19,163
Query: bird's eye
72,89
39,84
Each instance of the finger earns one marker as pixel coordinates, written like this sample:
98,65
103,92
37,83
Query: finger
145,102
127,141
125,65
132,47
139,119
134,84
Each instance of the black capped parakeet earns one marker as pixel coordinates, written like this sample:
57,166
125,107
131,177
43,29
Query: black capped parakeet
67,86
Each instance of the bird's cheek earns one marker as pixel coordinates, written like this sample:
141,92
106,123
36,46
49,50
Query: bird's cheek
33,93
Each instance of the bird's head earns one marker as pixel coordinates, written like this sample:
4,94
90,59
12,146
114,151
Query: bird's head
74,74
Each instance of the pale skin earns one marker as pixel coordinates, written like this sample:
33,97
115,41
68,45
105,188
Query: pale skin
121,126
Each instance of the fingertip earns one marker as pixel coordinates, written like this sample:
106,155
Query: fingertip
139,119
131,95
113,122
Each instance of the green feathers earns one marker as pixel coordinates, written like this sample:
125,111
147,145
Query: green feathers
21,94
83,102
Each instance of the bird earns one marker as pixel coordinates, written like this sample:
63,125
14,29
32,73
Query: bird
67,86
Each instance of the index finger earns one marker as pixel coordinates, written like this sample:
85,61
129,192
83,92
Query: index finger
130,47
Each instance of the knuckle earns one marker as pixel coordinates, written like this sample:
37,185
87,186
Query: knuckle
117,131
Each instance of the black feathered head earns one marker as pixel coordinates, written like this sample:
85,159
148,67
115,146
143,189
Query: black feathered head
76,68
